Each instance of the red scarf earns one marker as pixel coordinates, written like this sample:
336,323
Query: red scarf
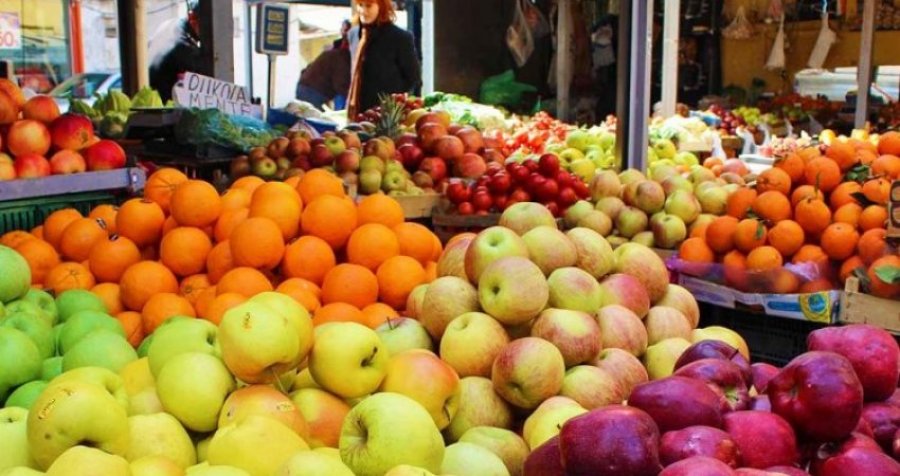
356,71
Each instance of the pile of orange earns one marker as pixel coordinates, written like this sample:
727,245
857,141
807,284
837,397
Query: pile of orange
186,250
821,210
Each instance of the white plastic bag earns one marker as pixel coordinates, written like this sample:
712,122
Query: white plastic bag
740,28
776,59
518,36
826,38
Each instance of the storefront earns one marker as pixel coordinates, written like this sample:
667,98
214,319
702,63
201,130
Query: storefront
36,36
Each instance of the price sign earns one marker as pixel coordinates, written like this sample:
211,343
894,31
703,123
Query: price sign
204,92
10,31
272,34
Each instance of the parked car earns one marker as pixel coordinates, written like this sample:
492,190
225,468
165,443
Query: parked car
84,86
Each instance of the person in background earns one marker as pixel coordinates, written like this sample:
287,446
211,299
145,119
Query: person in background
343,40
384,58
327,78
174,49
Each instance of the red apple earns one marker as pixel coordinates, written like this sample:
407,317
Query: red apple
581,189
492,168
787,471
860,461
406,138
548,190
457,192
545,460
828,450
434,166
500,201
520,195
72,131
411,155
698,466
471,138
764,439
500,183
724,376
482,200
320,156
872,351
762,374
41,108
465,208
565,179
567,197
32,166
610,440
819,394
67,162
437,117
104,155
554,208
884,420
470,166
698,441
715,349
678,402
429,134
548,165
28,137
519,173
535,182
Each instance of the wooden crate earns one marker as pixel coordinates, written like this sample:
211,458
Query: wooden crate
418,206
861,308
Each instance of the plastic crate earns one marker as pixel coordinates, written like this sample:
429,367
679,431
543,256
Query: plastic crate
29,213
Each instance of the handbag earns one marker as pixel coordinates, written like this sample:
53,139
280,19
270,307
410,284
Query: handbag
519,38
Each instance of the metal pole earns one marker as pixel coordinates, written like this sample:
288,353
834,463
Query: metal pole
563,78
248,45
272,76
864,70
671,25
633,102
141,65
428,51
127,45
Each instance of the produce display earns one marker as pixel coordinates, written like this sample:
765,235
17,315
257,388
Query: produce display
110,111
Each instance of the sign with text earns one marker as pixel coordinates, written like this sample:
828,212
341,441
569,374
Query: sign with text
204,92
10,31
272,33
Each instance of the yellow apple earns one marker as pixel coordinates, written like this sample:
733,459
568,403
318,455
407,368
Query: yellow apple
422,376
257,444
324,414
723,334
155,466
84,461
160,434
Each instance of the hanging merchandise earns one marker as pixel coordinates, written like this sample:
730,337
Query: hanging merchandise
519,37
776,59
740,27
827,37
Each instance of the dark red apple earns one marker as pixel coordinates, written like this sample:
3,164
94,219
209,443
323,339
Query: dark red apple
531,165
535,182
465,208
31,166
762,373
858,462
434,166
548,165
500,201
554,208
406,138
787,470
411,155
482,201
458,192
545,460
698,466
764,439
829,450
714,349
894,399
429,134
320,156
884,419
864,428
698,441
548,190
581,189
610,440
565,179
492,168
567,197
872,351
678,402
104,155
725,377
471,138
520,195
896,445
819,394
520,174
500,183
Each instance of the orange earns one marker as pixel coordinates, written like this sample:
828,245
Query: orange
55,224
110,258
886,166
695,250
219,261
244,280
132,323
350,283
849,267
749,234
79,237
377,314
279,203
787,237
431,271
68,275
780,281
805,191
873,216
843,154
416,241
307,299
222,304
143,280
699,231
792,164
813,215
41,258
319,182
192,286
848,214
141,221
163,306
184,250
843,194
258,243
380,208
720,234
195,203
774,179
823,173
397,277
437,248
330,218
107,213
14,238
235,198
161,184
878,287
204,300
865,156
735,269
248,183
111,296
38,231
816,285
764,258
306,285
809,254
372,244
809,153
873,245
308,257
740,202
228,220
772,206
877,190
338,312
839,241
889,143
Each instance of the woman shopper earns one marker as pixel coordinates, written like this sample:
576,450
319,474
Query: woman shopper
383,56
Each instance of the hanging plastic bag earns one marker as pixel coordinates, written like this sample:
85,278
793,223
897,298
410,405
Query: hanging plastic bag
519,38
503,89
777,59
827,37
740,27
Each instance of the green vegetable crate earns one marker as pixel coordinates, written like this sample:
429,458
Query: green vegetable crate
29,213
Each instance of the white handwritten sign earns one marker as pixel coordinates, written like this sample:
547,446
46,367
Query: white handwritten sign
10,31
204,92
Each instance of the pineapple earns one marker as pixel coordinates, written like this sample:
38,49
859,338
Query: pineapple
393,113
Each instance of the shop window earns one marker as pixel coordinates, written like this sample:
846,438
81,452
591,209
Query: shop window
38,44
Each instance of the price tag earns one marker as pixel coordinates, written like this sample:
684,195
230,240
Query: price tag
204,92
272,29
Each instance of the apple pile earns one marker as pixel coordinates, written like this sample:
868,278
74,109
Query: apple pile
34,129
542,180
410,103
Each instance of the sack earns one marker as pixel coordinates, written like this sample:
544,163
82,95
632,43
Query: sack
503,89
776,59
740,28
826,38
519,38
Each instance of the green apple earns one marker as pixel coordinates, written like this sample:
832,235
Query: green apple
144,348
387,430
570,155
16,278
36,329
192,387
311,463
25,395
506,444
204,469
136,376
73,301
424,377
513,290
266,401
82,460
160,434
446,298
469,458
403,333
259,445
71,413
43,300
155,466
243,331
14,439
144,402
583,169
181,336
370,181
471,342
550,248
490,245
595,255
100,377
83,324
548,418
575,212
372,162
348,359
528,371
294,312
100,349
393,181
683,204
29,308
2,310
479,405
21,360
660,358
664,149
